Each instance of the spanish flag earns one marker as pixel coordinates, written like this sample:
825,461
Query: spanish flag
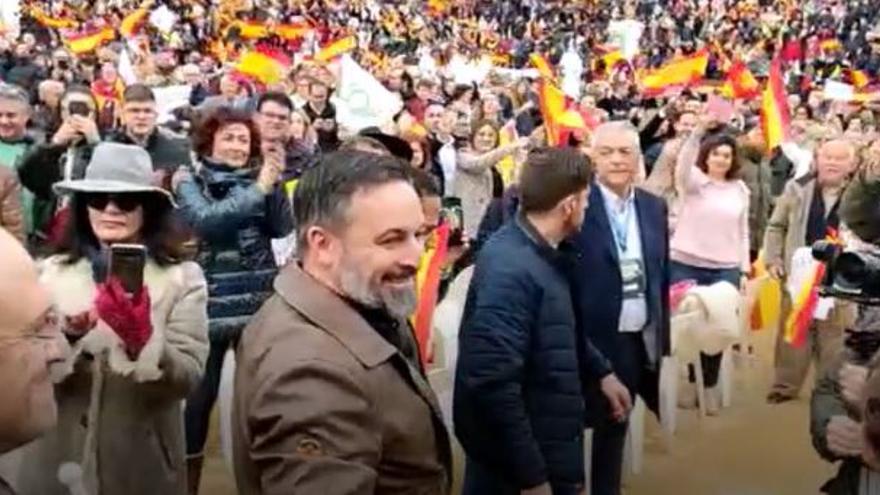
263,66
681,72
293,31
437,7
336,48
610,60
559,119
52,22
427,287
80,43
543,66
804,305
774,108
740,83
507,166
251,30
830,45
857,78
133,22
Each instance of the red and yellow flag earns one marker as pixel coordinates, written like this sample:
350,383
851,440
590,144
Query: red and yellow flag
437,7
543,66
681,72
80,43
558,116
133,22
52,22
251,30
858,78
336,49
804,306
428,286
740,82
266,68
830,45
774,108
293,31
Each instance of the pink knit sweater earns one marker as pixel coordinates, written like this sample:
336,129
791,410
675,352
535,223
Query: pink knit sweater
712,230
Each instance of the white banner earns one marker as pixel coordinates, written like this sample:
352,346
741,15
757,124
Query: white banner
10,12
170,98
362,101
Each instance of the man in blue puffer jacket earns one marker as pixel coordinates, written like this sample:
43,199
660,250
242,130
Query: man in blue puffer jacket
518,407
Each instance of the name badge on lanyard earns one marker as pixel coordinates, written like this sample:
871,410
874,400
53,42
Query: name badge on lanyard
632,273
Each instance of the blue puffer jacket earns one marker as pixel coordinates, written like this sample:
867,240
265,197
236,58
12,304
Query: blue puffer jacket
235,223
518,407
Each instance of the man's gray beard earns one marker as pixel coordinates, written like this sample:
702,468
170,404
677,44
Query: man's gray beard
399,303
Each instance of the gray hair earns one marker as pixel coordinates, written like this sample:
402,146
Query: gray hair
323,194
14,93
615,127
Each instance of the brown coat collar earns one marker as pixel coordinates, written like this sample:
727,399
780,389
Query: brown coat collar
330,312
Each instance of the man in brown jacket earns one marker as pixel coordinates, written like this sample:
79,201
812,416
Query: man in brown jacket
329,394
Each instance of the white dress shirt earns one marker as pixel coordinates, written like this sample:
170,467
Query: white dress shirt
623,217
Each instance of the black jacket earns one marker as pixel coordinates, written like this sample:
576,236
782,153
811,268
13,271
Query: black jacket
167,152
599,288
518,406
235,223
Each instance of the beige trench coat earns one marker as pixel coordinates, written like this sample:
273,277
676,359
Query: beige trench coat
324,405
121,420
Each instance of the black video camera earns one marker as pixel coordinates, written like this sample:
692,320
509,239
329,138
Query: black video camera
850,275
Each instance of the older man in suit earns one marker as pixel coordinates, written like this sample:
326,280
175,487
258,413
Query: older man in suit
622,287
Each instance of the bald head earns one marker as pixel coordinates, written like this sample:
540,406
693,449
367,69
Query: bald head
835,161
21,296
30,343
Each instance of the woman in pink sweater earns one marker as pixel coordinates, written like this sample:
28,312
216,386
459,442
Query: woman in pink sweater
711,239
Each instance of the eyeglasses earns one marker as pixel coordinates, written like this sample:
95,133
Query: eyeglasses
126,202
44,331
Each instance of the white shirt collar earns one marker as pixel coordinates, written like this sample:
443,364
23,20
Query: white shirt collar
611,198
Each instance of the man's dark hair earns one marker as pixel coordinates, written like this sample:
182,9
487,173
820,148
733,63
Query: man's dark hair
323,194
426,184
550,175
364,143
274,97
138,93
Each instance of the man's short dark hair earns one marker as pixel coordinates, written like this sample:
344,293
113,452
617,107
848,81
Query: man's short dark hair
425,183
138,93
276,97
323,194
550,175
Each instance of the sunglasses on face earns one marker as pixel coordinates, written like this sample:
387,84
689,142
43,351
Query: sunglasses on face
125,202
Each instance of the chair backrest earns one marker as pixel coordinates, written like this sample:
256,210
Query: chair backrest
682,327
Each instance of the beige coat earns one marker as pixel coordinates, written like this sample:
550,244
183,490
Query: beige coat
787,228
121,420
324,405
473,183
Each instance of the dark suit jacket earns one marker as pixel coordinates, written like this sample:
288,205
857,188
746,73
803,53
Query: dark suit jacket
598,284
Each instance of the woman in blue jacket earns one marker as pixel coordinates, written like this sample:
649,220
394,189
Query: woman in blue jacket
233,203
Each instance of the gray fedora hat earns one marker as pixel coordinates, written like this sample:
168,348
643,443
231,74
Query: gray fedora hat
116,168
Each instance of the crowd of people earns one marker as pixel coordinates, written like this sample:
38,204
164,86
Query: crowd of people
273,227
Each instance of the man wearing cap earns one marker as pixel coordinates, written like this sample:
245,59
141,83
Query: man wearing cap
30,344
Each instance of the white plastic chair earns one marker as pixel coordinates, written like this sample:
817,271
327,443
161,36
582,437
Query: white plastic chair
224,404
684,351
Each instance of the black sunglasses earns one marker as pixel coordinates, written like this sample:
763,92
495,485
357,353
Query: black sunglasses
126,202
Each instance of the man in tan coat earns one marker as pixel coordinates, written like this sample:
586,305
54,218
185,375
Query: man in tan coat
329,394
803,214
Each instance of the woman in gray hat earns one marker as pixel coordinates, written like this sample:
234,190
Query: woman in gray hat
135,353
